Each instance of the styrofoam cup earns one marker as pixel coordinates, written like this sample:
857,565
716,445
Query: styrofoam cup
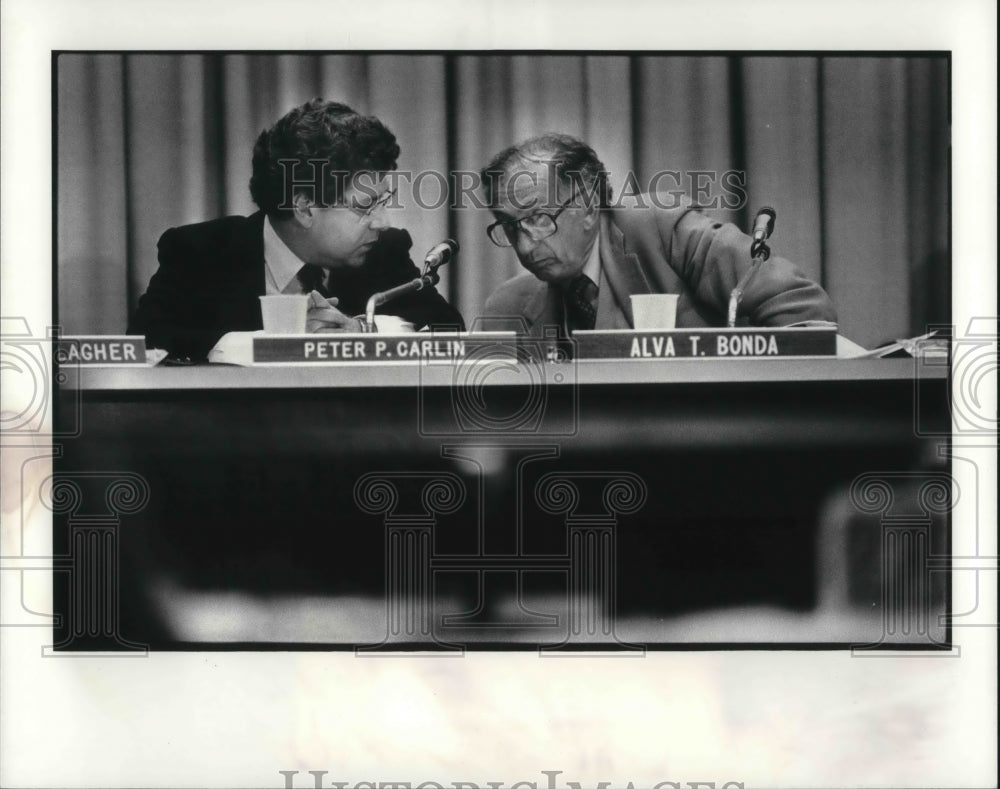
284,314
654,310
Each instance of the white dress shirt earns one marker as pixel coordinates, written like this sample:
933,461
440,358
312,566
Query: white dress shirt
281,265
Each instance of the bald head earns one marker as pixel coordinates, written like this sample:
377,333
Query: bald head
564,158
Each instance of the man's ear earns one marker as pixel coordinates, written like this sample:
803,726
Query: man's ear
591,215
302,210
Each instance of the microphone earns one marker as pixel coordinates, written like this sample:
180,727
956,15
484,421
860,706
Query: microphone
439,254
763,224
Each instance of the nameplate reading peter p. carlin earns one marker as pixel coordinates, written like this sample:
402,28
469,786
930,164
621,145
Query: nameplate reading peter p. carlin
453,348
101,351
706,343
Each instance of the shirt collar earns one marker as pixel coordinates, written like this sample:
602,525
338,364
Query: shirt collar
283,264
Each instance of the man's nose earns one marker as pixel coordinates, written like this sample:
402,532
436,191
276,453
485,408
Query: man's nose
379,220
525,243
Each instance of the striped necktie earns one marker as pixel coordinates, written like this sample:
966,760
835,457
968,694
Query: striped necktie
580,297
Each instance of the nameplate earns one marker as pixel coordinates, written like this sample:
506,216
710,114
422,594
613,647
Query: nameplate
752,343
415,348
101,351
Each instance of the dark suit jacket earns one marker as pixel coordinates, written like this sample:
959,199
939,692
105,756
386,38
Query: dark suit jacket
211,275
655,250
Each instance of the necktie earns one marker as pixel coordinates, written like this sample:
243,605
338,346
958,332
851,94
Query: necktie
311,277
580,298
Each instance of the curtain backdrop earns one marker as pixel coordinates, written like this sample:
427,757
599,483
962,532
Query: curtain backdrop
852,152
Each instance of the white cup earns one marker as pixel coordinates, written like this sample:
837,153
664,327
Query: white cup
654,310
284,314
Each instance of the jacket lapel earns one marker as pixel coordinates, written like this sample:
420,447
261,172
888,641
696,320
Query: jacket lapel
621,276
543,308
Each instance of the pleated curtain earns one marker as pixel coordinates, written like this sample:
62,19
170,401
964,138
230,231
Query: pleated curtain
852,151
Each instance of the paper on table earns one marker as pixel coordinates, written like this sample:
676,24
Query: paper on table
236,347
924,346
154,356
392,324
848,349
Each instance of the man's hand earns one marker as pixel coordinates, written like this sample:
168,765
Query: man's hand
323,316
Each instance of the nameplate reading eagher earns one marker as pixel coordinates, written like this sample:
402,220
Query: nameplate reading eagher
101,351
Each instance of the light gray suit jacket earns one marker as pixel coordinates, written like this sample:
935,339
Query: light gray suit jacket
676,250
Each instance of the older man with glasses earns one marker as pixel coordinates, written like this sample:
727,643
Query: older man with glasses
584,257
319,179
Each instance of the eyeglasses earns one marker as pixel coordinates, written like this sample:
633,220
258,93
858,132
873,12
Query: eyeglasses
537,226
365,211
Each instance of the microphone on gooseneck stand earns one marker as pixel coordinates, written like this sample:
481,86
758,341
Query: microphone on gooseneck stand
436,257
763,226
439,254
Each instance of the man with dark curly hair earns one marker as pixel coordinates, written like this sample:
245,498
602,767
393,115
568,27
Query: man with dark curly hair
319,179
585,257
